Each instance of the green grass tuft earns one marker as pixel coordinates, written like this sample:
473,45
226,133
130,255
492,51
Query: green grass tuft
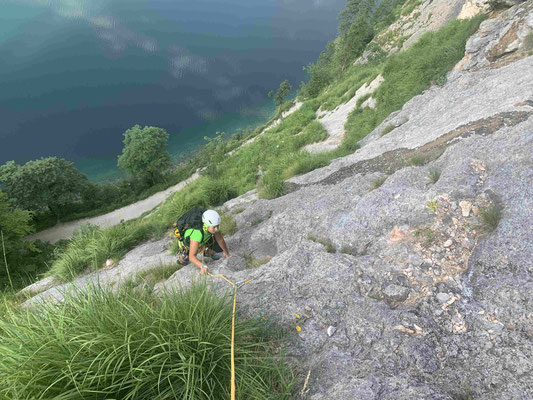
92,246
252,262
490,217
417,160
434,175
228,226
330,248
378,182
427,235
153,276
388,129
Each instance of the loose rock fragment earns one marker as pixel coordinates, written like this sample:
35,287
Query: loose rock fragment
466,206
443,297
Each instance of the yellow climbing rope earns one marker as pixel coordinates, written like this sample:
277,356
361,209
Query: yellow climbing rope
235,287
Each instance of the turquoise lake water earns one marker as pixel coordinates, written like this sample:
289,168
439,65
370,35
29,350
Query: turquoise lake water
75,74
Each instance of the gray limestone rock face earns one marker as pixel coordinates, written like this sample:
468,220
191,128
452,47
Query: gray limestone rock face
500,40
426,16
468,100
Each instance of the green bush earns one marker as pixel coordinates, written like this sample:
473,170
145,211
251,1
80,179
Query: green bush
130,345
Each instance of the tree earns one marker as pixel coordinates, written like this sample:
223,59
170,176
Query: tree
144,153
14,225
354,41
281,94
45,184
321,73
353,10
213,154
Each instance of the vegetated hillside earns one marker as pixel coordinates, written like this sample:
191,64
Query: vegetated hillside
404,269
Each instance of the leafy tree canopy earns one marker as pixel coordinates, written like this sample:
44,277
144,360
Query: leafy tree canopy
144,153
282,93
15,224
48,183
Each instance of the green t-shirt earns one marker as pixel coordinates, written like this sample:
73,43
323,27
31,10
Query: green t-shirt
196,235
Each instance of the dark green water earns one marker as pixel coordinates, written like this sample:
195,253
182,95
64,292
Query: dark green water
75,74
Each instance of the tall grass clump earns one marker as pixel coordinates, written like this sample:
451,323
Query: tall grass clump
217,191
273,183
100,345
92,246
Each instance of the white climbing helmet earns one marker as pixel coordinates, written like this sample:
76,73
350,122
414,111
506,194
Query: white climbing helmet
211,218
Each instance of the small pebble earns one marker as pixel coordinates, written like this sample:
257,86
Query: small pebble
443,297
331,330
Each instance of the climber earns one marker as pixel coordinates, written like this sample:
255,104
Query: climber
198,230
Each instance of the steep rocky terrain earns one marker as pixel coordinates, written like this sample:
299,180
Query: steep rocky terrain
382,264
